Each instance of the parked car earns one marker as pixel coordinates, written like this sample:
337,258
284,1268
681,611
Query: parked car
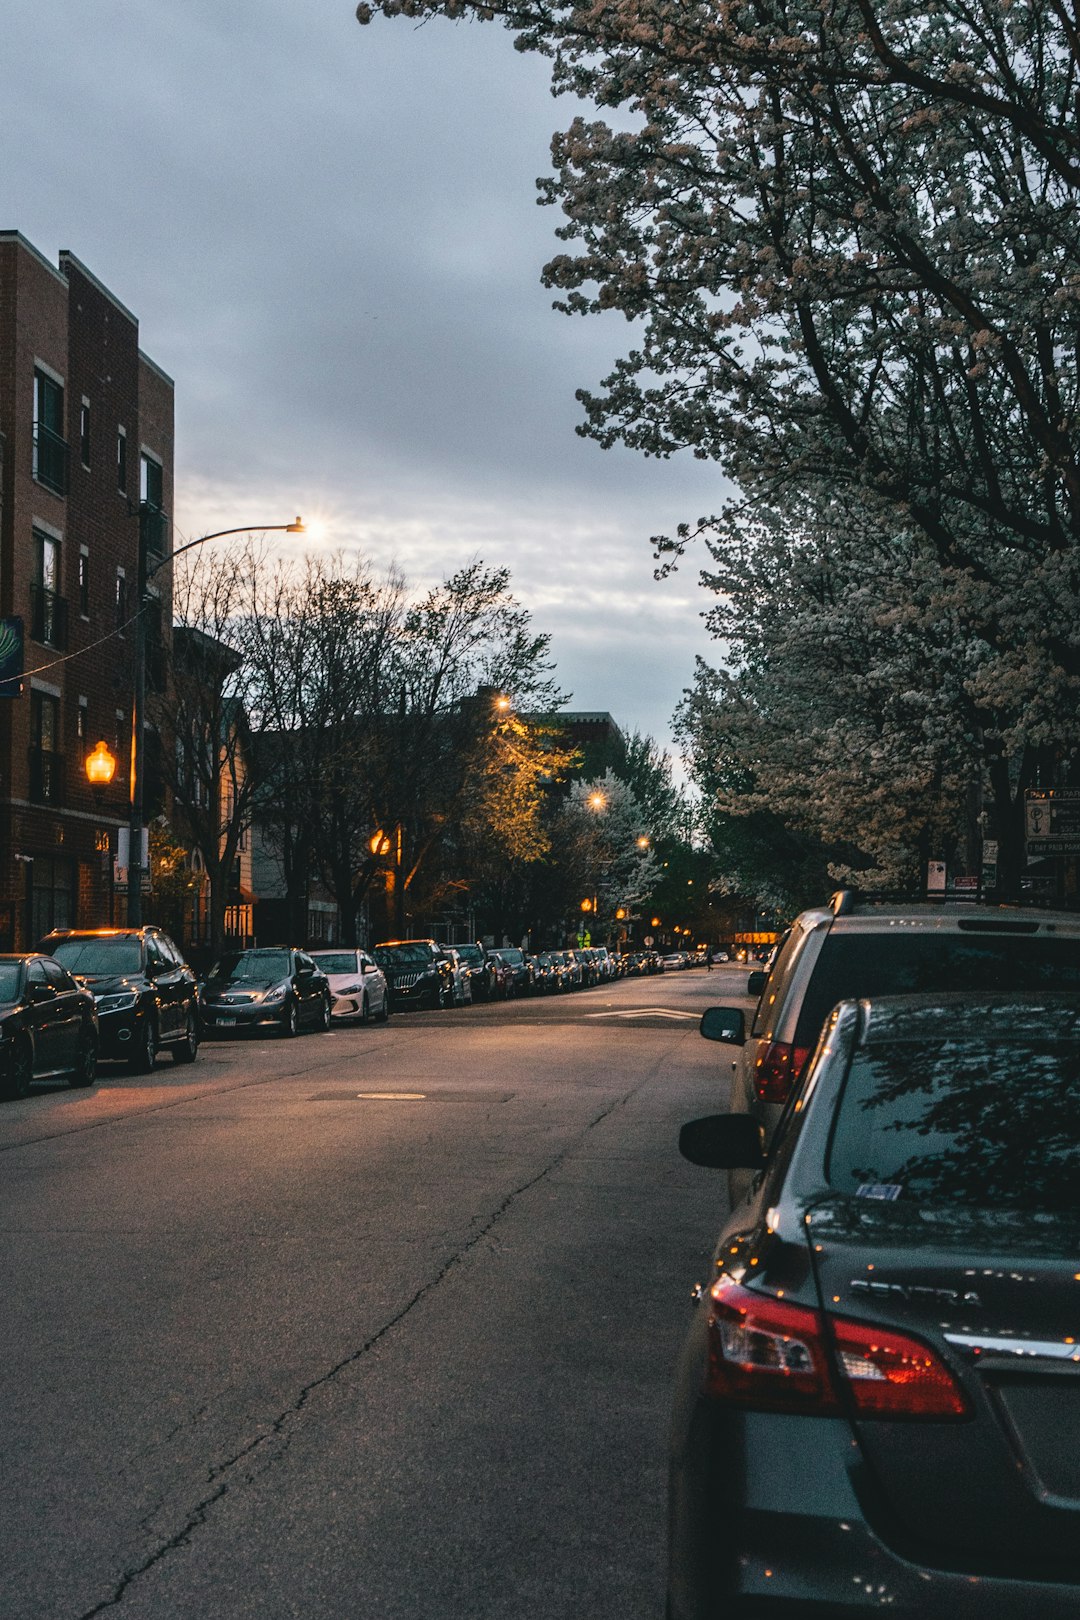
484,977
522,968
146,996
875,1409
357,985
462,978
48,1025
418,972
274,986
548,972
855,948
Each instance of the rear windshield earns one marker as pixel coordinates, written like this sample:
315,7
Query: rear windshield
402,955
99,956
950,1122
336,961
854,965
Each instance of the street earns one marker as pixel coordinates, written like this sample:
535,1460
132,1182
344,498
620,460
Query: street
377,1322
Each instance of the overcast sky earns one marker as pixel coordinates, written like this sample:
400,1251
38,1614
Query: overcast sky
330,237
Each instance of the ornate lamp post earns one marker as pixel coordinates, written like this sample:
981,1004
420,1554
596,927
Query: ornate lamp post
136,866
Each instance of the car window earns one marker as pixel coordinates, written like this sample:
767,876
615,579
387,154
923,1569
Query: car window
336,961
56,976
155,956
859,965
10,980
169,951
304,963
35,973
943,1122
784,959
99,957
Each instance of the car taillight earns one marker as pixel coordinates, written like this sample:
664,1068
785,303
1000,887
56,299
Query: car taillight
779,1064
779,1357
766,1353
892,1375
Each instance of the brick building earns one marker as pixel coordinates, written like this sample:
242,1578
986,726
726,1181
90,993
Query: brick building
86,478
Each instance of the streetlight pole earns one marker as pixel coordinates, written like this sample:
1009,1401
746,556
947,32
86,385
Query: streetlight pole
136,867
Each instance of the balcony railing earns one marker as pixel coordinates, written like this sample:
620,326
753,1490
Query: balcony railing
48,618
153,532
50,459
46,777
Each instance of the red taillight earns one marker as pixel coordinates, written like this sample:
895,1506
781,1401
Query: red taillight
779,1357
779,1064
766,1353
892,1375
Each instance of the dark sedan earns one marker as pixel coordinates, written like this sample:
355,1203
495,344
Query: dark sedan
878,1406
48,1026
418,971
277,987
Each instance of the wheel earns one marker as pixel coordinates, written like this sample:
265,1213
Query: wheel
188,1049
365,1010
385,1014
85,1070
291,1023
325,1016
144,1055
20,1070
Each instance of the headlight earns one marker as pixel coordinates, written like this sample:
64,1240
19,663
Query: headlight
120,1003
278,993
348,990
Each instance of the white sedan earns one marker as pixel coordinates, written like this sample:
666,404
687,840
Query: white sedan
357,984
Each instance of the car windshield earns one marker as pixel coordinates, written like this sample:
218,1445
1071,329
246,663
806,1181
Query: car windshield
471,954
336,961
10,980
514,957
858,964
254,965
99,957
402,955
990,1125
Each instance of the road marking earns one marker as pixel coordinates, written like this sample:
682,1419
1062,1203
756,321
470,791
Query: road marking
393,1096
646,1012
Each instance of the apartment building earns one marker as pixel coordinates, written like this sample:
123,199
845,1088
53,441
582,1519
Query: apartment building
86,486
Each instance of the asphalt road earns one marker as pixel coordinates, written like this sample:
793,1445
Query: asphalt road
377,1323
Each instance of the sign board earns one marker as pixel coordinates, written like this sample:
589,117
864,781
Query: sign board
1052,821
935,877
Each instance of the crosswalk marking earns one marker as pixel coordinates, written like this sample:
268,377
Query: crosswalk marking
645,1012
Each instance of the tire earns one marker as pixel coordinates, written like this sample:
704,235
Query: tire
290,1024
144,1057
384,1016
326,1016
85,1071
365,1011
187,1050
20,1071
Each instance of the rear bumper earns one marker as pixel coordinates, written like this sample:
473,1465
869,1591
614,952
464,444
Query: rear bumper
768,1517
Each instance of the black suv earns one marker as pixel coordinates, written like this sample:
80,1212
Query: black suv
418,973
145,993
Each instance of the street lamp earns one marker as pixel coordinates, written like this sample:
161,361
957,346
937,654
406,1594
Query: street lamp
100,768
135,832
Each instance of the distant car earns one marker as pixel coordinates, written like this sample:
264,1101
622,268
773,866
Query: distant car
146,996
548,975
462,979
418,972
875,1410
277,987
48,1025
357,985
522,968
484,977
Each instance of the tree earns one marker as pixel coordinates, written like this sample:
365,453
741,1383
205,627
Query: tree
851,237
603,852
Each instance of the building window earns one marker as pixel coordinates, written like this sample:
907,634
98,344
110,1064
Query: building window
84,432
82,726
48,610
51,889
121,461
121,601
46,761
84,582
152,520
50,446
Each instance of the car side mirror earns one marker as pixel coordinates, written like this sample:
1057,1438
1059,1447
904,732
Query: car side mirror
755,984
723,1024
723,1142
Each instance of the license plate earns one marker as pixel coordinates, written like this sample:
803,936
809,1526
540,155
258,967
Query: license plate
226,1020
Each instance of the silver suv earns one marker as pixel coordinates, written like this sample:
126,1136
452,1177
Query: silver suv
856,948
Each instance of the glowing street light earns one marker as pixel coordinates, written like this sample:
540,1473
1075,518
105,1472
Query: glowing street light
597,800
100,767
